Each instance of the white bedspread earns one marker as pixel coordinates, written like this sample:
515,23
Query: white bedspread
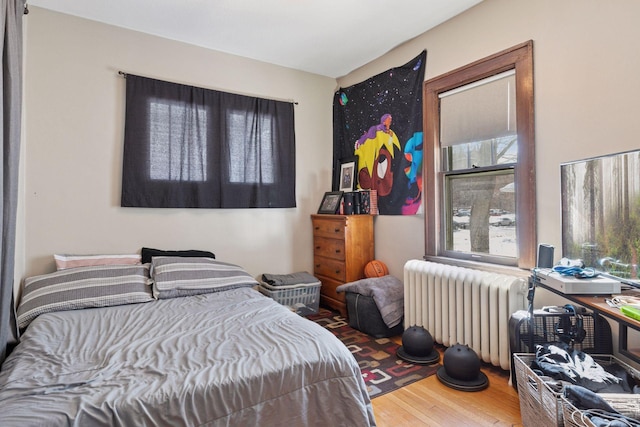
234,358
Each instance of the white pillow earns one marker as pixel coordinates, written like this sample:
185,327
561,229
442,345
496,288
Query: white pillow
72,261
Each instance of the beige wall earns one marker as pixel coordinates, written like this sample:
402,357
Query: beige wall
587,89
74,102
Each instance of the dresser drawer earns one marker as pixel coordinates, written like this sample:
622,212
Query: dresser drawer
330,248
329,289
342,246
328,267
332,228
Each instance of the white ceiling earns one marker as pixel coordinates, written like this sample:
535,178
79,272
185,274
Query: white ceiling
326,37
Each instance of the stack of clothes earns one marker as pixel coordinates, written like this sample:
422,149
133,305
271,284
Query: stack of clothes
299,278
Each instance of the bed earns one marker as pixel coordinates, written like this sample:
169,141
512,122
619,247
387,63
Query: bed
222,355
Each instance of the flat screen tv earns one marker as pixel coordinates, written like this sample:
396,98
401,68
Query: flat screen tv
601,213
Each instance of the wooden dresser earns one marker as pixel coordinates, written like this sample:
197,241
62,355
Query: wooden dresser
342,246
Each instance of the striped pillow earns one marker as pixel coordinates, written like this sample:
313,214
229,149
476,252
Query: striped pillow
83,287
180,276
73,261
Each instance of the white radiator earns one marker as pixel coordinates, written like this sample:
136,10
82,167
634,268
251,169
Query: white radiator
463,306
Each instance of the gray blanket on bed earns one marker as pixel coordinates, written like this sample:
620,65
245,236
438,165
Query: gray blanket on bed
387,292
232,358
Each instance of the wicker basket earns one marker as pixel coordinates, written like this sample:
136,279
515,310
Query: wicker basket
626,404
541,406
303,298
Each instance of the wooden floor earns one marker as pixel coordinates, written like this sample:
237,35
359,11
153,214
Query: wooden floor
428,402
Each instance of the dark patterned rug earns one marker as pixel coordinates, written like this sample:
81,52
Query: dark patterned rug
381,369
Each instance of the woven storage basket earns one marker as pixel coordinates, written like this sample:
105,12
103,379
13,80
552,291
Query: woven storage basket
626,404
541,406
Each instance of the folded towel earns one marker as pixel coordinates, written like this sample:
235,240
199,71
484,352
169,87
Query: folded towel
301,277
387,292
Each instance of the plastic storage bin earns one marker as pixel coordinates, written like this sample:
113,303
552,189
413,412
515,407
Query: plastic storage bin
304,298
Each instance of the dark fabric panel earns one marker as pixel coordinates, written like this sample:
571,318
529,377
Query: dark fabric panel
148,253
359,129
11,15
216,149
364,316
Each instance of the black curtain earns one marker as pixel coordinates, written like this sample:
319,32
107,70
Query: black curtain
190,147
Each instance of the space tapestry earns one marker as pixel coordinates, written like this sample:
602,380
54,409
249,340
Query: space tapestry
379,123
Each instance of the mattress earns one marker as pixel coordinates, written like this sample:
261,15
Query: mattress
231,358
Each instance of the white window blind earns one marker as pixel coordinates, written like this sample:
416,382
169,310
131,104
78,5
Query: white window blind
479,111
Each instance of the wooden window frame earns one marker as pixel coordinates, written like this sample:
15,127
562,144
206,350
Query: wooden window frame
520,58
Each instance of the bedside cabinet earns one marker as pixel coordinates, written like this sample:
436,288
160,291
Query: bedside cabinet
342,246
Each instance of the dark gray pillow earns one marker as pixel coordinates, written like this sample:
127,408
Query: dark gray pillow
148,253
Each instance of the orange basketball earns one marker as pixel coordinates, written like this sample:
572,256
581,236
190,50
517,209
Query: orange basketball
375,268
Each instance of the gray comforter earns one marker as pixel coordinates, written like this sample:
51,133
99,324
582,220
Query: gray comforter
234,358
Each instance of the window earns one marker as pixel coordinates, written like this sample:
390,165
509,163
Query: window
480,176
248,163
176,144
189,147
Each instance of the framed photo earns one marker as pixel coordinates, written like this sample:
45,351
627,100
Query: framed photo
347,175
330,202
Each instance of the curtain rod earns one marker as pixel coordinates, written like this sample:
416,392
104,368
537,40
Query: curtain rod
123,74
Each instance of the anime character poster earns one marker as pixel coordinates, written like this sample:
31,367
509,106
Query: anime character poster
379,121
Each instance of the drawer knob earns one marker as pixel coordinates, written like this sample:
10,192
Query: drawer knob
317,228
317,247
317,265
337,251
337,230
337,271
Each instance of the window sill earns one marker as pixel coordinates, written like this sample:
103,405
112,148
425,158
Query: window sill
492,268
